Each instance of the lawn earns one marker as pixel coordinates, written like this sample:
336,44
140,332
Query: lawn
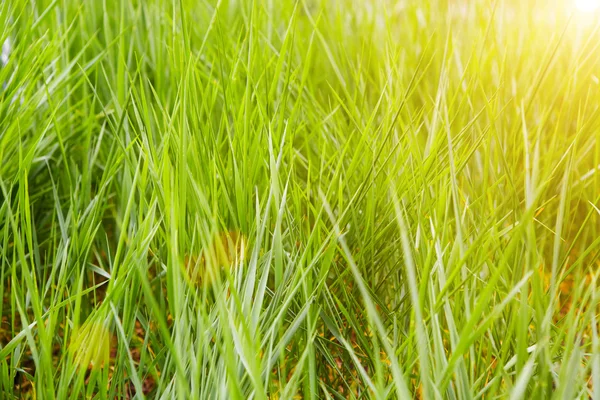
299,199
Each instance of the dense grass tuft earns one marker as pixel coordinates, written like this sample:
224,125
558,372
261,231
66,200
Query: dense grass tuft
299,199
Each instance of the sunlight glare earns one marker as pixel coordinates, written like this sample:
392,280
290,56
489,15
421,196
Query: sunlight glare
587,5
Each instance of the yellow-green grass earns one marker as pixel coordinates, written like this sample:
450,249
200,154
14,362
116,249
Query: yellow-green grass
415,186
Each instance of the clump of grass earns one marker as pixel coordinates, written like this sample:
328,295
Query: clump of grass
415,187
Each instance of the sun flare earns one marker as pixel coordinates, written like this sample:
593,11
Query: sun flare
587,5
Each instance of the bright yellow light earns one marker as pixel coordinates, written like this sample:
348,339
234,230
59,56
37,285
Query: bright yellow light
587,5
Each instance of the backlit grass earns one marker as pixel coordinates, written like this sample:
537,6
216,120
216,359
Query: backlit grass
260,199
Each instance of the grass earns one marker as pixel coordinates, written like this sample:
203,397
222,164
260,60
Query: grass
299,199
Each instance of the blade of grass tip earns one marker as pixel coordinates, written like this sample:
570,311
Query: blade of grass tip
250,292
398,374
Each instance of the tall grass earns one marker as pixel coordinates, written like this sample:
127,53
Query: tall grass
299,199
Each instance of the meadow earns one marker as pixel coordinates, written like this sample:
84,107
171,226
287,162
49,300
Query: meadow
299,199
